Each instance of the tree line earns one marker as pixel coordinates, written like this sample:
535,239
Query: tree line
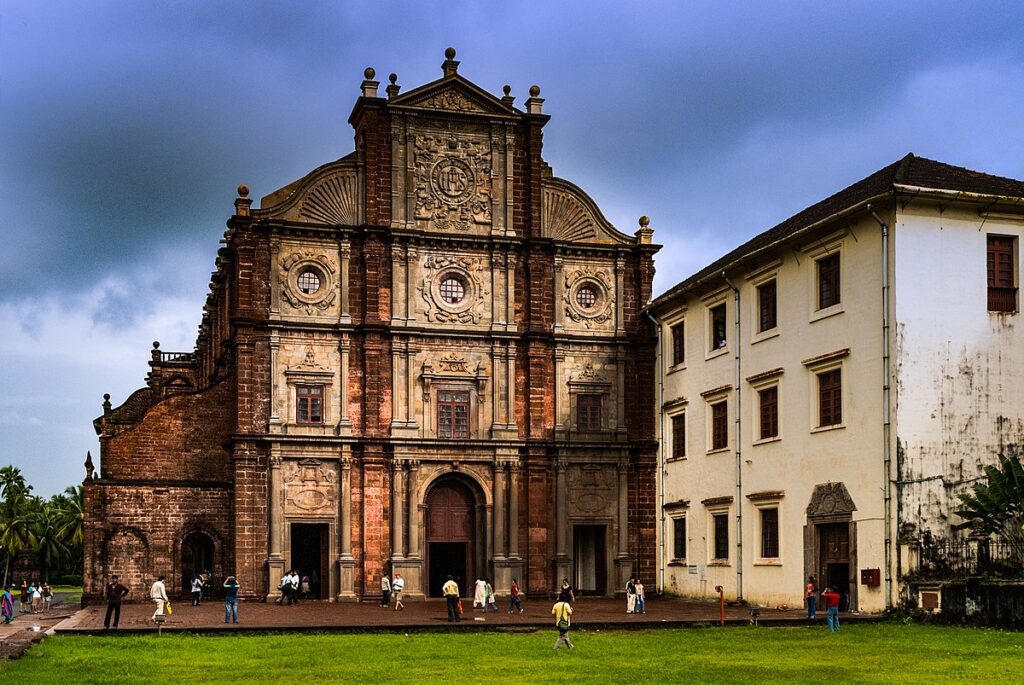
49,529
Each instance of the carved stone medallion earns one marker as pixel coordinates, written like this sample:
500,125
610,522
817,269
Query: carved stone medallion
452,177
588,297
307,281
310,486
453,289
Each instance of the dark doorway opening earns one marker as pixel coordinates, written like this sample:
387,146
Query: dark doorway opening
451,536
590,575
309,556
448,559
196,557
834,560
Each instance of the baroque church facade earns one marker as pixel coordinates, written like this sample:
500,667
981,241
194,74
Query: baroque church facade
426,357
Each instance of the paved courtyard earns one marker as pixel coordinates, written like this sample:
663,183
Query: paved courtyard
317,615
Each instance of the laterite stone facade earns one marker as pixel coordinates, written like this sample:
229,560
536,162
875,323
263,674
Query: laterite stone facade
425,357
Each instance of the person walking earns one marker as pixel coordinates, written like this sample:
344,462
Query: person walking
231,600
831,598
158,593
7,605
450,590
305,587
293,589
197,590
641,597
565,594
47,597
284,586
562,611
385,590
114,593
513,599
480,594
811,598
396,589
630,596
491,598
37,597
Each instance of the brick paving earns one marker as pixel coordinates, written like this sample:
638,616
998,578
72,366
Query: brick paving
430,614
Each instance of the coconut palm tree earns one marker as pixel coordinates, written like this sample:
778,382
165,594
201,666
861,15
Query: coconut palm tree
996,506
48,543
16,516
70,518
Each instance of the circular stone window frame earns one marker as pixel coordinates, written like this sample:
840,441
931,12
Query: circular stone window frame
322,272
600,311
471,290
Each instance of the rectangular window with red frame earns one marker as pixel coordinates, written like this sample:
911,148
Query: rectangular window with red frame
588,412
830,398
1000,262
452,414
719,425
828,281
309,404
768,399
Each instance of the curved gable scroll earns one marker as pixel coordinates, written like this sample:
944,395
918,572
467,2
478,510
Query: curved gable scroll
327,195
568,213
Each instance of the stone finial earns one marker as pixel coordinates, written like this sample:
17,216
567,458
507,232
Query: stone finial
450,67
393,87
106,404
243,202
645,232
534,102
507,98
155,352
89,470
369,86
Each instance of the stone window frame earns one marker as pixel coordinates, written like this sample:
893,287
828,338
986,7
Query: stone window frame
759,383
762,501
675,512
473,382
817,366
468,391
832,245
714,398
298,263
671,324
590,387
301,377
717,507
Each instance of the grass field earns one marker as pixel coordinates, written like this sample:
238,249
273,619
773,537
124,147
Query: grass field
877,653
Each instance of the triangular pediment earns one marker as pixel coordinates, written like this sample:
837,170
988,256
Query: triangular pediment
454,94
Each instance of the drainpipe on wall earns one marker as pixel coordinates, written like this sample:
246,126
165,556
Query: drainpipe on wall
886,427
659,436
737,422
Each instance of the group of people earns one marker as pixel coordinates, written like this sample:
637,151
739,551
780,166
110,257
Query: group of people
290,587
392,589
201,585
831,598
115,592
34,598
636,600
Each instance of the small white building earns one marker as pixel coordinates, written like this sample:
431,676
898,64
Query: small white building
830,386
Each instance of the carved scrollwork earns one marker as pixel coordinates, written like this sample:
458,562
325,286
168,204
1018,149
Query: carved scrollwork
591,489
588,297
445,307
452,181
307,281
451,100
310,485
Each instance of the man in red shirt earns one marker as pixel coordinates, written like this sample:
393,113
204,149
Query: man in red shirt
832,608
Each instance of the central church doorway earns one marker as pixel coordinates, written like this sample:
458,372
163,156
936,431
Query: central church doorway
451,536
309,556
590,576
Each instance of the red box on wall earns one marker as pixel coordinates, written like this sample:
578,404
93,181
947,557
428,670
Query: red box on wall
872,577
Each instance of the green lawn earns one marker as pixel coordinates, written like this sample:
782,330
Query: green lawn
877,653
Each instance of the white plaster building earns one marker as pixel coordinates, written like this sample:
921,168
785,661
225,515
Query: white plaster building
830,386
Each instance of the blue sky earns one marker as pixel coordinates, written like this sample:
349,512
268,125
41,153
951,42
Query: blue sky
125,128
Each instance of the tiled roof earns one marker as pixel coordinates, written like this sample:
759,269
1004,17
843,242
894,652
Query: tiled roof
909,171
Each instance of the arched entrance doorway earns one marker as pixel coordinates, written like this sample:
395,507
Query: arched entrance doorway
451,535
196,557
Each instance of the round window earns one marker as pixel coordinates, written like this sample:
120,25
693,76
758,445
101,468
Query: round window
309,282
586,296
452,289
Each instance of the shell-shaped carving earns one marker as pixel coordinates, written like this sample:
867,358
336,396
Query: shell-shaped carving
565,218
332,200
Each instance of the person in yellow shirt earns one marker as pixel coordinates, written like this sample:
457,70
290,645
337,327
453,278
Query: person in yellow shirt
562,611
450,590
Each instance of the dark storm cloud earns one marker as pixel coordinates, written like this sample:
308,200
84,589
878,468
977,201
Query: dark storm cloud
125,128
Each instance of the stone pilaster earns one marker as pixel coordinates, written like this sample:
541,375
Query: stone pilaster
346,562
275,560
623,562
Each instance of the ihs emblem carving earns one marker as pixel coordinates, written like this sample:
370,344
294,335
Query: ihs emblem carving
453,181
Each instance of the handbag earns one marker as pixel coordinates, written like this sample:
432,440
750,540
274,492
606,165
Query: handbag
167,608
459,606
562,625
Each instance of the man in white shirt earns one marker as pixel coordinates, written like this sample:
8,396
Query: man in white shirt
293,596
396,589
158,593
